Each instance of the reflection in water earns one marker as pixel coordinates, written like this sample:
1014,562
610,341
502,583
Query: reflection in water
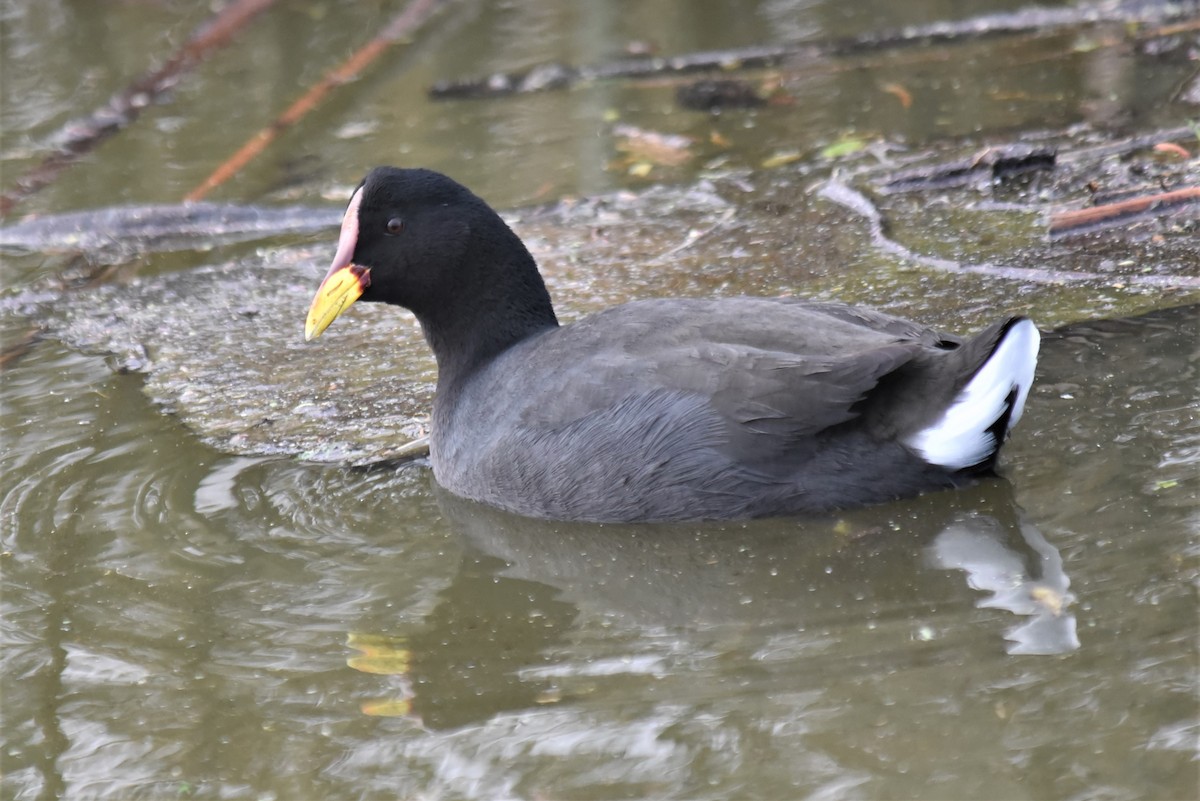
464,662
1038,591
489,645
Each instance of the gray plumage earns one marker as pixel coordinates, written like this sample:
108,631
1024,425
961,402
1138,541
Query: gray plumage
672,409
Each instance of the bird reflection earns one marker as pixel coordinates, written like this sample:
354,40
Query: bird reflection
1028,581
492,642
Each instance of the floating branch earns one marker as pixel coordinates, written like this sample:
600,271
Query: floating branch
561,76
990,163
80,137
1072,221
1031,20
414,15
1130,145
1006,160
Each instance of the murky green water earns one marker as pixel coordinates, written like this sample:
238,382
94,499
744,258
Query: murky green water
179,622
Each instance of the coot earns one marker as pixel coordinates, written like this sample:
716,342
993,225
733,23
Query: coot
677,409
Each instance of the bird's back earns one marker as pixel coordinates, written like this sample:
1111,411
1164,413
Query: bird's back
672,409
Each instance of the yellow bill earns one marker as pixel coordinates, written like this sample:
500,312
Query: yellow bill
345,281
340,288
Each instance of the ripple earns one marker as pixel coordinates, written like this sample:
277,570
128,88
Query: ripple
165,604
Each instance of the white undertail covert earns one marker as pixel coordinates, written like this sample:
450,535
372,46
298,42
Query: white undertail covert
963,436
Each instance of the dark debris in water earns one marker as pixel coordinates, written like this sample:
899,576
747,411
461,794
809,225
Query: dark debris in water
1141,187
711,94
222,346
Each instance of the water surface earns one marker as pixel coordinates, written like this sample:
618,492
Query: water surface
182,621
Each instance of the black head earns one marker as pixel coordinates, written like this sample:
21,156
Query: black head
418,239
414,229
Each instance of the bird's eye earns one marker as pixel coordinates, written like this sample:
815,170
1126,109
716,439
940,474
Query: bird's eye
395,226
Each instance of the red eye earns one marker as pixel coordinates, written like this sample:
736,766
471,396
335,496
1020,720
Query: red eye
395,226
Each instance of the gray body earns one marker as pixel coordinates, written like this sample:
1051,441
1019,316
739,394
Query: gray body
686,409
670,409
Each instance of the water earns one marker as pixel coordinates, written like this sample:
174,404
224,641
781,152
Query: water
181,622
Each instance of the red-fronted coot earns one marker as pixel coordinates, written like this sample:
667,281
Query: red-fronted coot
665,409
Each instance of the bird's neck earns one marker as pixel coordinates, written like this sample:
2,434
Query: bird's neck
502,303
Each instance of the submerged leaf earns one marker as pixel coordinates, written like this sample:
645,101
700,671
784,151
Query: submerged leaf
781,158
900,92
669,150
842,147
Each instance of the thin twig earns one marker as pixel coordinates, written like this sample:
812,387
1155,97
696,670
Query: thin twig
842,194
81,136
1072,220
412,17
695,236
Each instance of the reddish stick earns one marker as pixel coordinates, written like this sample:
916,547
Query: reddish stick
1063,221
82,136
412,17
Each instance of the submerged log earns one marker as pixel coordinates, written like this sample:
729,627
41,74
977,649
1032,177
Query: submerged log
990,163
124,230
1029,20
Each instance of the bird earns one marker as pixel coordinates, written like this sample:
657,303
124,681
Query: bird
675,409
